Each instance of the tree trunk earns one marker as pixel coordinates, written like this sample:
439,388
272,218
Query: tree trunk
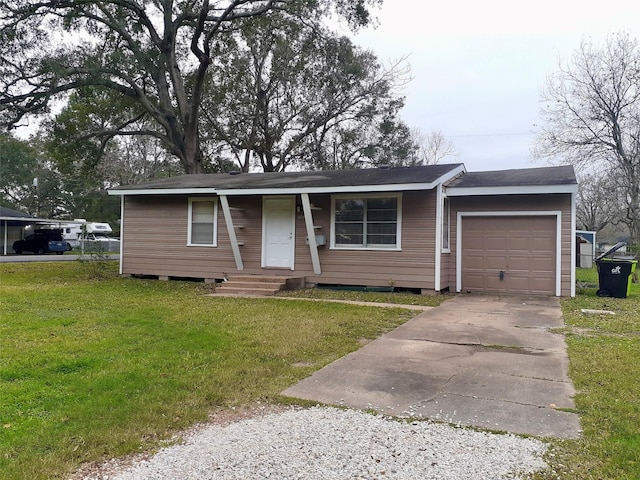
188,150
192,160
247,160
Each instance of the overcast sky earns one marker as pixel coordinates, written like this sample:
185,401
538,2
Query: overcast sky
479,66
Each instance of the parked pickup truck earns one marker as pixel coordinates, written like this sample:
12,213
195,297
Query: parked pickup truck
42,241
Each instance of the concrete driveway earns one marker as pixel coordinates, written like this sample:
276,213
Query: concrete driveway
485,361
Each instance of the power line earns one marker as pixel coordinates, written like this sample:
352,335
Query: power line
491,135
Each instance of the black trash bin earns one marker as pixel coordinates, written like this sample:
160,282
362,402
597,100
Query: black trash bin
614,273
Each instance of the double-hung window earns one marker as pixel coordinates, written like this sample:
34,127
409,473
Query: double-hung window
203,221
366,221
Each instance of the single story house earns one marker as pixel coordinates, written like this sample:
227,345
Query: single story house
430,228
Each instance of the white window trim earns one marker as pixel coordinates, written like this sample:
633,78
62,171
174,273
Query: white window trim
398,245
515,213
215,221
446,233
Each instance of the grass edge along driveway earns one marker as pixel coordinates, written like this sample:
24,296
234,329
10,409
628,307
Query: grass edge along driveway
604,365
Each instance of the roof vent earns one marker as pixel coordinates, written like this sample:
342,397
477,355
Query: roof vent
383,167
235,172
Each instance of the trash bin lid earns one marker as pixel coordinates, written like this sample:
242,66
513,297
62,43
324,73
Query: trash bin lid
623,259
613,249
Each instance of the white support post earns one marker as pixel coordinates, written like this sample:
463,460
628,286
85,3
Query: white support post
6,237
120,269
232,232
438,239
573,246
311,233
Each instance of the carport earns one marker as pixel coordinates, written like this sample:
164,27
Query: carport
13,224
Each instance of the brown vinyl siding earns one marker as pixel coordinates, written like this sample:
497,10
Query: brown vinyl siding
445,268
155,243
155,240
519,203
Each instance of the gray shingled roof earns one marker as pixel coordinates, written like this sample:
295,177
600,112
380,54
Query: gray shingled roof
542,176
8,213
326,178
13,218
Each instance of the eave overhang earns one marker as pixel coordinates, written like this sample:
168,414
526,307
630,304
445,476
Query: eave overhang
391,187
510,190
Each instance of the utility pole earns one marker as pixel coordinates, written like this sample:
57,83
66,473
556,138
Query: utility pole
37,197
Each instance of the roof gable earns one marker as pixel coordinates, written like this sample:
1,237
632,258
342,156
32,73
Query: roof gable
560,179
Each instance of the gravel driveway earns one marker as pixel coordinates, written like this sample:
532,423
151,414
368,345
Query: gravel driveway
329,443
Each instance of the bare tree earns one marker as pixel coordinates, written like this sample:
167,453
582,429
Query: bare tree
432,147
592,114
376,139
136,160
157,54
598,201
288,83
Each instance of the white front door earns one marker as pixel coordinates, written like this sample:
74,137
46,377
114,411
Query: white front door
278,229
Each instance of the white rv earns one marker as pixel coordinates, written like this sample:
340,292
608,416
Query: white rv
80,227
81,231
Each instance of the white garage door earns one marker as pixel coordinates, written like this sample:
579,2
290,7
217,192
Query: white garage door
509,254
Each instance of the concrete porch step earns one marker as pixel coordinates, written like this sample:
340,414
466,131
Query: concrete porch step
262,292
258,285
246,284
262,278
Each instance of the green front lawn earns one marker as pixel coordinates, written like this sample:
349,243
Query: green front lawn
604,353
94,366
